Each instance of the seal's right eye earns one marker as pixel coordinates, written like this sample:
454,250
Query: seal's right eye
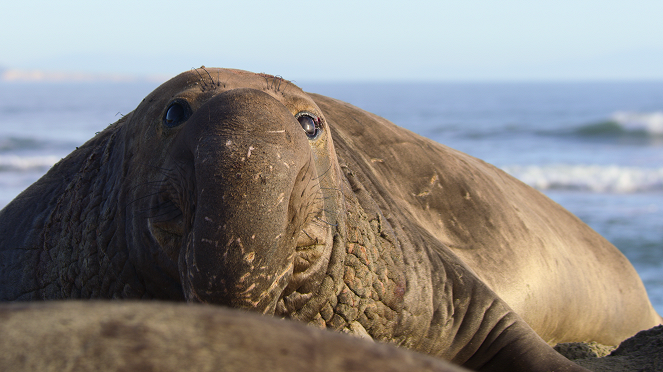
176,114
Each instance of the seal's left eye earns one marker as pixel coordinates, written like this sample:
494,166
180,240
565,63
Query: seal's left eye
310,125
176,114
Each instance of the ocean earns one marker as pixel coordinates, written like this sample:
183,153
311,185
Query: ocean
595,148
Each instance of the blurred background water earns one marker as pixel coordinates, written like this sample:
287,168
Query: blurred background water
595,148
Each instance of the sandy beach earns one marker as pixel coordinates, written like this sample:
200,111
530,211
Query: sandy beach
642,352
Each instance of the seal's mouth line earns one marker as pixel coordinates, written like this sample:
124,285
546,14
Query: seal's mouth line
310,247
311,235
307,242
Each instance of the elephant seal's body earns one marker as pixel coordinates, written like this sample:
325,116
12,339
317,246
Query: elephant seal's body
240,189
152,336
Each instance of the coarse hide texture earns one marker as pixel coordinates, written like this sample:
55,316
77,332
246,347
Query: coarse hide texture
239,189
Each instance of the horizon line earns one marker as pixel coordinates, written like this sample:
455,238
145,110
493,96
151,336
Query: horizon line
24,75
54,76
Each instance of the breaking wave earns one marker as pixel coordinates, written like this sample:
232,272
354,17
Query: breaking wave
15,163
624,123
18,143
591,178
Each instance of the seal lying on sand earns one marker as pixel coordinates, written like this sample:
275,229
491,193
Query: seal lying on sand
239,189
152,336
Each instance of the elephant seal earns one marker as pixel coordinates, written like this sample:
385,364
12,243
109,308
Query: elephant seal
234,188
154,336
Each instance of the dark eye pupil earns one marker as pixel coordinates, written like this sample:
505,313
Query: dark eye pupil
308,124
174,114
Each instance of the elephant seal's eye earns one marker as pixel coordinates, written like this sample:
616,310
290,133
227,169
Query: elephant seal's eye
177,113
311,125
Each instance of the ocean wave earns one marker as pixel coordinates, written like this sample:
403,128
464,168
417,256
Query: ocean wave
15,163
591,178
18,143
623,123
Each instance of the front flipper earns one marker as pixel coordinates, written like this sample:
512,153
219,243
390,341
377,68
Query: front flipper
473,327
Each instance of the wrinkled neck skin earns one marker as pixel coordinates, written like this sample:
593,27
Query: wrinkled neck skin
385,284
78,245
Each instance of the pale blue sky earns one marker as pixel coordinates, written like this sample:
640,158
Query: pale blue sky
341,40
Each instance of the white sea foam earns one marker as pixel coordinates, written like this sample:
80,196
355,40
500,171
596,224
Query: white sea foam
650,123
15,163
593,178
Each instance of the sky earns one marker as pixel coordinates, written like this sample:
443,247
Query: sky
462,40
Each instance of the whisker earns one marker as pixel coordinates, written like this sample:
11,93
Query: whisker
210,76
280,79
287,83
309,236
328,223
330,188
324,173
202,86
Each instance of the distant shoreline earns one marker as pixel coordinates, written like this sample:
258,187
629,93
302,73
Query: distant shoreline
17,75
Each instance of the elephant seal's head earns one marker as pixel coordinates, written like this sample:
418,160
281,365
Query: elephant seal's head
232,186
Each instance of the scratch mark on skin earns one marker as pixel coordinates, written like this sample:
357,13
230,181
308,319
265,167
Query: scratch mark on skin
275,283
228,142
248,289
278,237
376,160
250,257
276,280
286,165
216,243
248,155
432,183
208,219
252,303
276,131
241,246
281,196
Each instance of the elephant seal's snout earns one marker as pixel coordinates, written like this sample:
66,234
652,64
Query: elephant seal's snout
255,188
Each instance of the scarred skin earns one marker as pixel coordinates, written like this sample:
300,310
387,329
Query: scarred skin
362,227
